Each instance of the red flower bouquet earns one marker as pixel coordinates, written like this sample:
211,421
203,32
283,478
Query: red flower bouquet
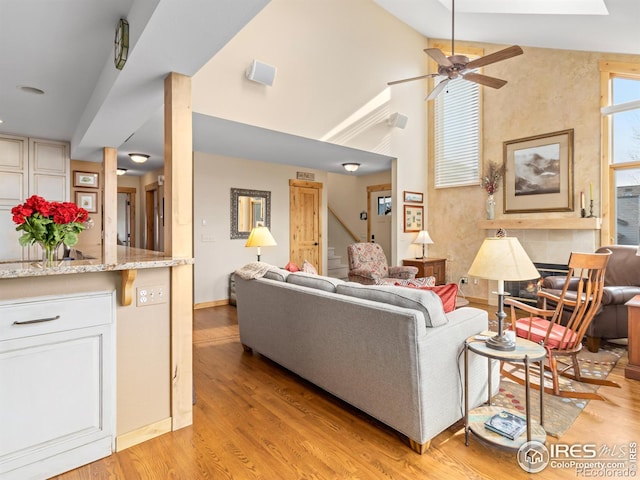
49,223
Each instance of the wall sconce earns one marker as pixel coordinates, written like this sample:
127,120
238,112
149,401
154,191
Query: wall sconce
397,120
139,157
351,167
121,171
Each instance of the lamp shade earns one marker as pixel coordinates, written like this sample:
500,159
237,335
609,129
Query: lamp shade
423,238
260,236
502,258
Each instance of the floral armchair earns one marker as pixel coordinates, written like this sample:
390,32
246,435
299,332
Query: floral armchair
368,265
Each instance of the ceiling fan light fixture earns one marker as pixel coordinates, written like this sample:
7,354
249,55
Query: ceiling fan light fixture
351,166
139,157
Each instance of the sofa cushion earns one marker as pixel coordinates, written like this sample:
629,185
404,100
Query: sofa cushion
279,274
328,284
424,301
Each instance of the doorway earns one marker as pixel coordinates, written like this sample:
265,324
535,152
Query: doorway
305,236
126,216
154,217
379,216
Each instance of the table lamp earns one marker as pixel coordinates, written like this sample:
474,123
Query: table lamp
502,258
260,236
423,239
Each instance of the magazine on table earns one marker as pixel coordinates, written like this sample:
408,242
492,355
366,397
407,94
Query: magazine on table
506,424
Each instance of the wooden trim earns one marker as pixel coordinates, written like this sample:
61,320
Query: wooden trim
178,240
373,188
543,224
214,303
344,225
127,279
142,434
305,183
619,67
110,205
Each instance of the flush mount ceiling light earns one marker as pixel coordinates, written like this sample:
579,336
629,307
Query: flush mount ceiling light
351,167
121,171
139,157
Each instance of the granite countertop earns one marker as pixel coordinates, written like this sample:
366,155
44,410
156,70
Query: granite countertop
125,258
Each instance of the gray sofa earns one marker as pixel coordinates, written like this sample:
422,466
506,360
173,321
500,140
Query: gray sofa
370,346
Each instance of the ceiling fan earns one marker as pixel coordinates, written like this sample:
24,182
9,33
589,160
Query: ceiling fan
456,66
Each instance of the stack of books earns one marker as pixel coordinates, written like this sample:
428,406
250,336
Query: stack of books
506,424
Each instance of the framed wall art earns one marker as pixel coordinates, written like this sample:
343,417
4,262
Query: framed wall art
85,179
539,173
413,197
413,218
88,201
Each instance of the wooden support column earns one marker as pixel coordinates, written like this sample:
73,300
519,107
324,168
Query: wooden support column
110,205
178,239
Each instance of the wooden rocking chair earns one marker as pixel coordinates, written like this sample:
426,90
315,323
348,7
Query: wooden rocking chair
560,338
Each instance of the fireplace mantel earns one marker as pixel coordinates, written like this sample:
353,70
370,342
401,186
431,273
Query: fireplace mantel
593,223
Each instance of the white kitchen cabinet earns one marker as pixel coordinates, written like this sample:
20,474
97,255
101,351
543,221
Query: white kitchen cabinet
57,387
29,166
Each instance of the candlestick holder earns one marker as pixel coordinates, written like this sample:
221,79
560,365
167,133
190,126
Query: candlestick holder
583,213
591,215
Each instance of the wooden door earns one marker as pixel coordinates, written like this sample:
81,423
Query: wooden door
305,236
380,215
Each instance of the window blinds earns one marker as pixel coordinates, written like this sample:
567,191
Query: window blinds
457,135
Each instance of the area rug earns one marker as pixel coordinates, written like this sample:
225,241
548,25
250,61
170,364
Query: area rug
560,412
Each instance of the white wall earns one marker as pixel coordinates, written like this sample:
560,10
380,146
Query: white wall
334,59
214,176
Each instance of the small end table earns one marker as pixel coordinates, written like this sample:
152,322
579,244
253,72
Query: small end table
428,267
525,353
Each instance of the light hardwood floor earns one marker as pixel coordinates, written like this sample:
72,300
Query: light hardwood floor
255,420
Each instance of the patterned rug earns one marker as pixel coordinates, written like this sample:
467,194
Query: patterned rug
559,412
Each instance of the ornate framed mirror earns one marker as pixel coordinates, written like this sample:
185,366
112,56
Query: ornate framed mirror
248,207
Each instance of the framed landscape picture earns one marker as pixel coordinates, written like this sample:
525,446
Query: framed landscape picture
539,173
88,201
413,218
85,179
413,197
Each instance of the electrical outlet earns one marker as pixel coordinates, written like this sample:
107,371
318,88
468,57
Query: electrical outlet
151,295
475,281
464,280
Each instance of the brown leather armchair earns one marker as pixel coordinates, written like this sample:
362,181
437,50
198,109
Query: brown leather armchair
621,284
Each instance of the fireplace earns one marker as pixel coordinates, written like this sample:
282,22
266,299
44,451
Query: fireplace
527,290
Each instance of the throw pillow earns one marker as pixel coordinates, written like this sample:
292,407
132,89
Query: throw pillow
417,282
447,294
309,268
292,267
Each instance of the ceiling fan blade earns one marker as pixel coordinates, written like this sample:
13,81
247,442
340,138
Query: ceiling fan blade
484,80
438,88
495,57
438,56
395,82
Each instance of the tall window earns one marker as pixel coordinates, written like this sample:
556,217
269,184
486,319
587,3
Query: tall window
457,129
457,134
622,122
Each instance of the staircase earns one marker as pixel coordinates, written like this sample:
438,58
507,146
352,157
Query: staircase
335,267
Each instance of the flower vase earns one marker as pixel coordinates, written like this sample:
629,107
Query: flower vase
491,207
50,254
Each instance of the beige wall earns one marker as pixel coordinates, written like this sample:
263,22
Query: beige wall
89,240
548,91
142,337
214,176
